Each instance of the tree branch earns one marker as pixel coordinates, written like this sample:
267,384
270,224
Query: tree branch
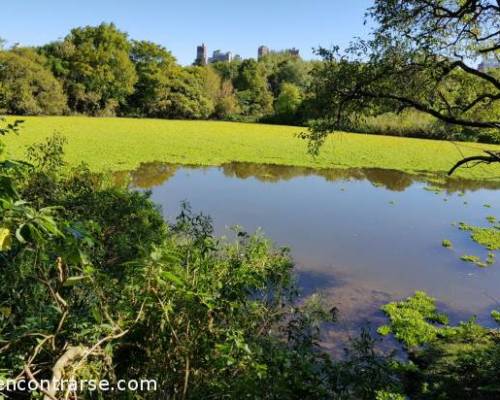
488,159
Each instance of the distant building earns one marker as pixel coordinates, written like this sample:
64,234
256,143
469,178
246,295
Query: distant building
201,55
489,63
218,55
262,52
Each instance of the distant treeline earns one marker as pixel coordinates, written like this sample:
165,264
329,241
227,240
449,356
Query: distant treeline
99,71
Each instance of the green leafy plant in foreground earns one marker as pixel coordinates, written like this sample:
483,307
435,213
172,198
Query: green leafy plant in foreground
101,287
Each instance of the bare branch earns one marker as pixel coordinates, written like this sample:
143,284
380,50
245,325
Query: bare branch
492,157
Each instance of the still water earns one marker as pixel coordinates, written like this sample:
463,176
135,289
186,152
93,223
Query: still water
362,237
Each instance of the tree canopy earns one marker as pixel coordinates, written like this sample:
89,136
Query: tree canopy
423,56
94,64
27,87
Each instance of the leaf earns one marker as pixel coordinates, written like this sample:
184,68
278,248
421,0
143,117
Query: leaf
73,280
172,278
6,311
5,239
7,187
19,236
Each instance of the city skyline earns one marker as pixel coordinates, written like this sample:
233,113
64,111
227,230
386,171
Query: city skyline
202,54
241,28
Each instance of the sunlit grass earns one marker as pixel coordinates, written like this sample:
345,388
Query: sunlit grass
123,143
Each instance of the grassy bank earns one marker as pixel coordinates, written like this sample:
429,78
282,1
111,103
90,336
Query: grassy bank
122,144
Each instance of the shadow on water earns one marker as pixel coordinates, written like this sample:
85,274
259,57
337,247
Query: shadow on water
153,174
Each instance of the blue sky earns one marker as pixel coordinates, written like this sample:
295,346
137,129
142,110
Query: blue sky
238,25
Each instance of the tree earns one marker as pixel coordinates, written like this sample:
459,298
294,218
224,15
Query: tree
164,89
94,64
284,67
26,86
253,91
422,56
288,100
189,99
220,91
227,70
156,68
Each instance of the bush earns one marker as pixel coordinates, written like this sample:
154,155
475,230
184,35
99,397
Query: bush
102,287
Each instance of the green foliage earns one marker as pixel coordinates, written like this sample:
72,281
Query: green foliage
94,65
495,314
383,395
491,219
95,273
472,259
163,88
27,87
366,373
100,281
99,71
221,92
283,67
488,237
448,362
447,243
460,365
416,59
407,123
252,86
155,68
412,321
288,100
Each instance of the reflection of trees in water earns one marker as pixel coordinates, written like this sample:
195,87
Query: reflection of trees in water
148,175
153,174
390,179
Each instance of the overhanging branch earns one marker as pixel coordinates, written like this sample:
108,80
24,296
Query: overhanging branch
491,157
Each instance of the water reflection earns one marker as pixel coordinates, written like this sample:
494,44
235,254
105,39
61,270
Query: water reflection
361,236
153,174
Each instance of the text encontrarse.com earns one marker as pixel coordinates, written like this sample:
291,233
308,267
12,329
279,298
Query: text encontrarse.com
73,385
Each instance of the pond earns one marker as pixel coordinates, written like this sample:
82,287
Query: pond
362,237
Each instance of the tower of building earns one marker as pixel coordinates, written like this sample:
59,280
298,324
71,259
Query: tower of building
218,55
201,55
262,52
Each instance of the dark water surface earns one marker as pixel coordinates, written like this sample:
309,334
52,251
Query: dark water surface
363,237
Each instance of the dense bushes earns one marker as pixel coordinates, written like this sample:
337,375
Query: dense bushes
100,287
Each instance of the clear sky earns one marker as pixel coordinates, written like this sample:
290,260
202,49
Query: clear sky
236,25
